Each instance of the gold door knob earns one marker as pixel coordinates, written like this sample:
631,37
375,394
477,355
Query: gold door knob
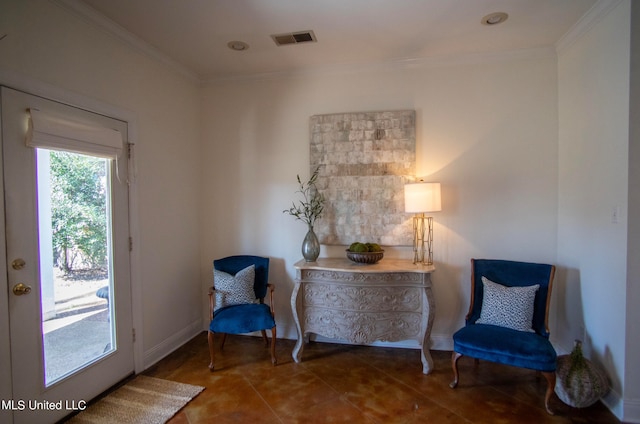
18,264
20,289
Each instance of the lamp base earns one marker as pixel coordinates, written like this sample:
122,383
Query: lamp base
422,239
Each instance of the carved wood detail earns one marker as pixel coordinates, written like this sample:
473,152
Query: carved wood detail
362,328
359,298
362,277
390,302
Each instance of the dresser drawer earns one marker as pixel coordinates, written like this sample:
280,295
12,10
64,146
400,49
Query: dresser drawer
394,278
363,327
362,298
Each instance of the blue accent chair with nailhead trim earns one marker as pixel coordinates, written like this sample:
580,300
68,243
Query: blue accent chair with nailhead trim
246,317
497,343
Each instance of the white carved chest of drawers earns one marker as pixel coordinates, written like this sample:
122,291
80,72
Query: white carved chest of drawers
363,303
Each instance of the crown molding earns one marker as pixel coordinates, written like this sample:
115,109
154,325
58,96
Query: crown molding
599,10
95,18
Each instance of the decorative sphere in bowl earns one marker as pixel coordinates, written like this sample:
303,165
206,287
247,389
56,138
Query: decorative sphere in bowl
365,257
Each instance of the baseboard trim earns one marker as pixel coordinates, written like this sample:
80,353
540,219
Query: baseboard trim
631,411
170,344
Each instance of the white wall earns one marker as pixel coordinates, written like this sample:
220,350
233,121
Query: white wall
486,129
517,184
632,365
55,48
593,181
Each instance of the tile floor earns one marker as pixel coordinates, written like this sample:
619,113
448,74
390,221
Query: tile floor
355,384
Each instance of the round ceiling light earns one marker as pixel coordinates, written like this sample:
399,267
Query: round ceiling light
237,45
494,18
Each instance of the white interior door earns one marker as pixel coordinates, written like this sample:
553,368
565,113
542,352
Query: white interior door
68,279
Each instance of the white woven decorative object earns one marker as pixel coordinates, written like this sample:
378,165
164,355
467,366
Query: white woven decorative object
579,382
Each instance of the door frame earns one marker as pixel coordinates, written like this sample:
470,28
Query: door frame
41,89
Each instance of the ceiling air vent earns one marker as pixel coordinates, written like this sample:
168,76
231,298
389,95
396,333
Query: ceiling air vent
294,38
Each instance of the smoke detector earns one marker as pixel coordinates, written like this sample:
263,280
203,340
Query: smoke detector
294,38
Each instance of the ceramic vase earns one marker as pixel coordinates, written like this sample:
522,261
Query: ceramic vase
310,246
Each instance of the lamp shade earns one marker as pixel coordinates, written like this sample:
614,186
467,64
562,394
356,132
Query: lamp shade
422,197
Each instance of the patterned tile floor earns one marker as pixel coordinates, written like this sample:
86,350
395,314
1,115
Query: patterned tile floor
356,384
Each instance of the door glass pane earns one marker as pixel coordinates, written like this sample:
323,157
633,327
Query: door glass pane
74,220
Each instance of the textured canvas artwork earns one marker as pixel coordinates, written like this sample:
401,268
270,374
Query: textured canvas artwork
365,159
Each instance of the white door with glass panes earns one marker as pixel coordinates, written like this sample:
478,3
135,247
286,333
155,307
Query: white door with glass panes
67,255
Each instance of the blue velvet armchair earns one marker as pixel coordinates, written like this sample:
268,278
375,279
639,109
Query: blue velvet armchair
236,300
504,293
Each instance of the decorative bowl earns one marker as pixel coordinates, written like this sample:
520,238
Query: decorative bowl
365,257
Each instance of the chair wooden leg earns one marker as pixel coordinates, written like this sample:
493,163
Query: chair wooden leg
211,354
551,384
274,361
454,365
224,339
264,337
